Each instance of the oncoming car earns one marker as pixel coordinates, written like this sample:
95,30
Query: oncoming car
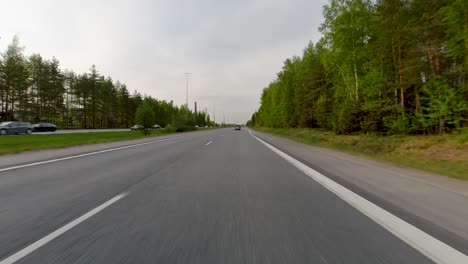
237,127
15,128
136,127
44,127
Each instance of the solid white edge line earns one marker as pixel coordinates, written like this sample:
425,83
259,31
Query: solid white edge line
86,154
208,143
41,242
432,248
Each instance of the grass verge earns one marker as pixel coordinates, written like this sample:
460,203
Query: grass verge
18,143
446,155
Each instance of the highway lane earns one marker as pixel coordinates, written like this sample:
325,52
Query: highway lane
71,131
230,201
36,200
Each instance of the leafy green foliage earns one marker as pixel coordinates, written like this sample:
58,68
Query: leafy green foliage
347,118
444,105
170,128
14,83
398,123
35,89
381,67
456,21
145,116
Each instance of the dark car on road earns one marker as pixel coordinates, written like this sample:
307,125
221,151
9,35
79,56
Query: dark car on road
15,128
44,127
237,127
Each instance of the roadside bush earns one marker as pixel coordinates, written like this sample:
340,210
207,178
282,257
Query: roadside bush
399,123
146,131
169,128
347,118
443,105
323,112
462,135
185,128
145,116
373,116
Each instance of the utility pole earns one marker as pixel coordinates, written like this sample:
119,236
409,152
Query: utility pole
214,113
186,90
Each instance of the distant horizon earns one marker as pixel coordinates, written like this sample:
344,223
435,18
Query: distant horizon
149,46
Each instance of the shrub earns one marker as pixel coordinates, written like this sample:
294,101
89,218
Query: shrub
347,118
185,128
462,135
144,116
169,128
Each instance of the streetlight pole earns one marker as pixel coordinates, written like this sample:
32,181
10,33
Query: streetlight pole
186,90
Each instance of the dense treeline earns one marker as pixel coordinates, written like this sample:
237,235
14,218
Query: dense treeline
35,89
386,66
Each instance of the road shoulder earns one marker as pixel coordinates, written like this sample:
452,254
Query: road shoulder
433,203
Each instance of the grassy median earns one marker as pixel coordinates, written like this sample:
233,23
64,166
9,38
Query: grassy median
18,143
446,155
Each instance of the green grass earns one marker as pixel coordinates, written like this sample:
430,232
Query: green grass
18,143
446,155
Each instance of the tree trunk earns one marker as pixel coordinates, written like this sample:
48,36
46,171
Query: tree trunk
465,29
431,60
94,115
400,76
395,66
441,126
7,100
85,125
2,101
12,103
356,81
437,62
417,100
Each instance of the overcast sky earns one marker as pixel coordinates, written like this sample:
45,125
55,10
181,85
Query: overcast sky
232,48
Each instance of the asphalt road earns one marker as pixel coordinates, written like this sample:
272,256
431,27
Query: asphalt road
217,196
70,131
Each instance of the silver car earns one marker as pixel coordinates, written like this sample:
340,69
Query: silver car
15,128
136,127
